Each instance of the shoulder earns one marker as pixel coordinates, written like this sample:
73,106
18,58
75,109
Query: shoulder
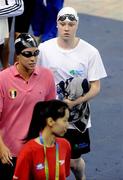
28,145
45,74
28,148
63,142
6,72
87,46
47,43
44,70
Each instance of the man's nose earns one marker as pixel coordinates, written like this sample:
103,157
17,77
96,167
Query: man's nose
66,27
33,58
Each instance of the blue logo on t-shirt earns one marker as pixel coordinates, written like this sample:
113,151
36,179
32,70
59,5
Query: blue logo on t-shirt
74,72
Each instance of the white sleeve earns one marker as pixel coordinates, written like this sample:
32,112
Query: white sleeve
39,61
12,8
96,69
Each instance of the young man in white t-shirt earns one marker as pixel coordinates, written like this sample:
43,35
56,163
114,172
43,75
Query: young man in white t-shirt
70,57
12,8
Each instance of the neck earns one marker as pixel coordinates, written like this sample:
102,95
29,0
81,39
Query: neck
68,44
25,73
48,138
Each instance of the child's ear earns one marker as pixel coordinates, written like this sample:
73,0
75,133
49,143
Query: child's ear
50,122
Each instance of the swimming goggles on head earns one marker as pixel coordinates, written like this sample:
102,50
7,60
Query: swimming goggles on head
70,17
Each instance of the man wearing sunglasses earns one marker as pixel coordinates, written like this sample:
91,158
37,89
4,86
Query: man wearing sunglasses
70,57
21,87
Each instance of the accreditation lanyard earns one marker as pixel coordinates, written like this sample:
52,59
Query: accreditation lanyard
46,161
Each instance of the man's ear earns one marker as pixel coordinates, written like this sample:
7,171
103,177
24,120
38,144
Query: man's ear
17,57
50,122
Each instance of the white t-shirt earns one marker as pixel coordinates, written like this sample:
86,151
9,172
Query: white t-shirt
1,41
14,8
84,60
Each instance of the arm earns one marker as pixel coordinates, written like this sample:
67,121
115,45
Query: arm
5,154
23,165
13,8
94,90
52,88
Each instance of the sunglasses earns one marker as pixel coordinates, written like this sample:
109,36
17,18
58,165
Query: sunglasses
71,17
29,54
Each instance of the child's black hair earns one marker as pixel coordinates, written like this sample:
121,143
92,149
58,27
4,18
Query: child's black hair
43,110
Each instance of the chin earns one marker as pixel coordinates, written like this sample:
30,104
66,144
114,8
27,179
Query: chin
32,67
59,134
66,38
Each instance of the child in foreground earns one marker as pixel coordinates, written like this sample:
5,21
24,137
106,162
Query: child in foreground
45,156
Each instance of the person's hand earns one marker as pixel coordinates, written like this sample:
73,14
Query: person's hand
69,103
5,155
